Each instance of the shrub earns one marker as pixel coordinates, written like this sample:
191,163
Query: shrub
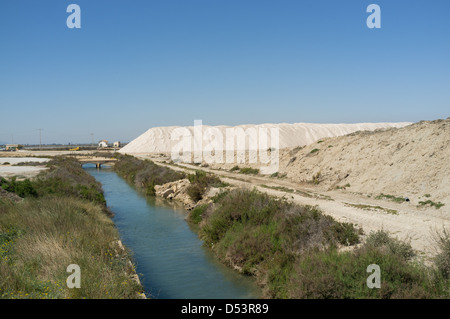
391,197
195,216
21,188
316,178
145,174
66,177
381,240
262,235
442,259
431,203
249,170
200,181
195,192
332,274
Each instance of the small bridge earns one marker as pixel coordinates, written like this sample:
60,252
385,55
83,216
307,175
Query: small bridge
98,161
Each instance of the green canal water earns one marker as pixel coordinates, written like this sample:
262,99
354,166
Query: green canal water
170,258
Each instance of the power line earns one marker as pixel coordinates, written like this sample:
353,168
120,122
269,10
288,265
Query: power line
40,137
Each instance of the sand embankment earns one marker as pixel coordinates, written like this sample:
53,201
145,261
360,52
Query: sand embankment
411,161
158,139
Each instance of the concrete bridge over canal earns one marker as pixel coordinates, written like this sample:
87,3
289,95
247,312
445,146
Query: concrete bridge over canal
98,161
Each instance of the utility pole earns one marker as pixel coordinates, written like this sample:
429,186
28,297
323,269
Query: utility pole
40,137
92,135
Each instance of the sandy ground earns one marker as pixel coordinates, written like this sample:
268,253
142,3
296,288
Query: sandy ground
28,153
15,160
21,172
415,224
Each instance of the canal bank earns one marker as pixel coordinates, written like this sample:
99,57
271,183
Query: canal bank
169,256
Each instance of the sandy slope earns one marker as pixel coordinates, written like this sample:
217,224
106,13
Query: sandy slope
406,162
158,139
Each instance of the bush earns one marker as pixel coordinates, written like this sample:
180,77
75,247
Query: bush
200,181
391,197
332,274
195,192
66,177
381,240
21,188
195,216
316,178
262,235
145,174
431,203
442,259
249,170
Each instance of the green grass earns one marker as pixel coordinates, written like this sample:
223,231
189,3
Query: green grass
246,170
391,197
314,151
431,203
370,207
195,216
249,170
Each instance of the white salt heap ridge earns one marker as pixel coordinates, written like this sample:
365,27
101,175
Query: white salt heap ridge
158,139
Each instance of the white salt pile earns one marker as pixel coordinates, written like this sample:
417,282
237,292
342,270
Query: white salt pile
163,139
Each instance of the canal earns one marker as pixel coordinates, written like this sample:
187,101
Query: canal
170,259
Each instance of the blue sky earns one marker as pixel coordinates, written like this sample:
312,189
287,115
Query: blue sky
138,64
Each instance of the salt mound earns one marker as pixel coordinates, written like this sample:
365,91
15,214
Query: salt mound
158,139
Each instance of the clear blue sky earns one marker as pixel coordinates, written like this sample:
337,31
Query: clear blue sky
138,64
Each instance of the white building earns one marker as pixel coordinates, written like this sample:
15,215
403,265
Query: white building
103,143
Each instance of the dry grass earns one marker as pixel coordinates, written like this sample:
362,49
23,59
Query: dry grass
47,235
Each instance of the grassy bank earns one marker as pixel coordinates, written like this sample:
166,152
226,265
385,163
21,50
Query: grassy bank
293,251
63,220
144,174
